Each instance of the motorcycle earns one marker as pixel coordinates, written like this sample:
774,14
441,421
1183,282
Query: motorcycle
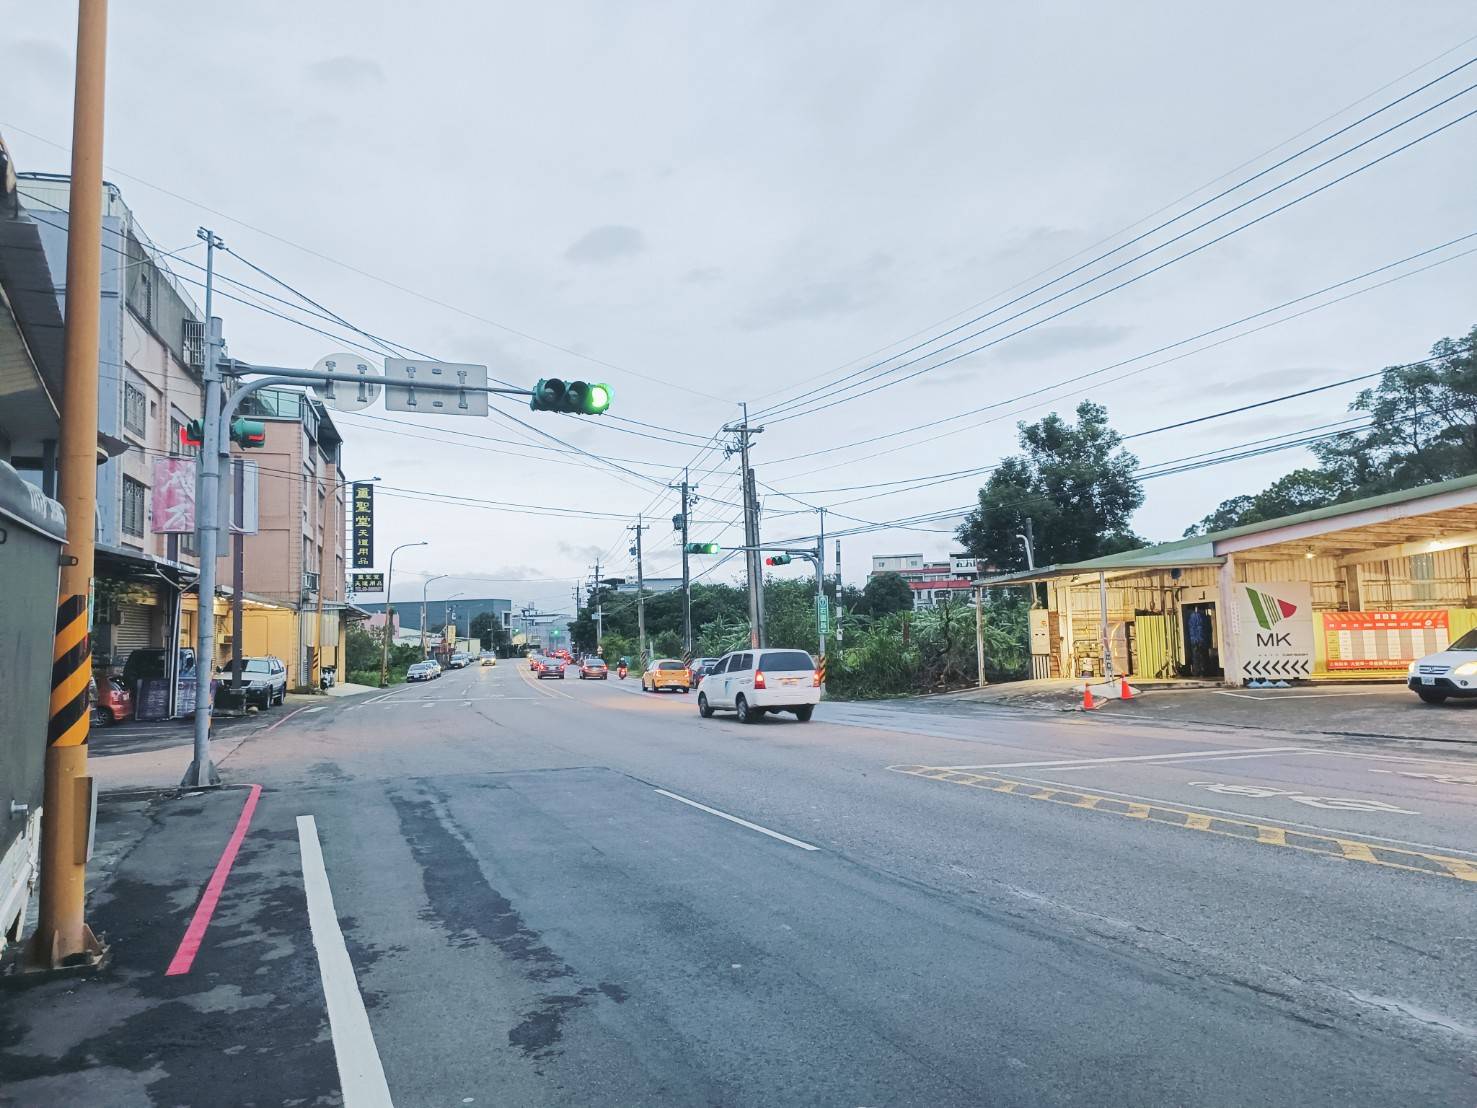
620,671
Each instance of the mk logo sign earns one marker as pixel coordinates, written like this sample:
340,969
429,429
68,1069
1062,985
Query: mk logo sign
1269,611
1271,639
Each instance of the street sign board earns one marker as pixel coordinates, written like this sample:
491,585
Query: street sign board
363,515
346,396
823,605
402,375
368,582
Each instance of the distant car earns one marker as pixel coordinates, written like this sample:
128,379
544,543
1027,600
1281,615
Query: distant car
423,671
1450,672
594,669
488,658
552,667
113,705
699,669
263,680
458,661
665,673
752,682
536,662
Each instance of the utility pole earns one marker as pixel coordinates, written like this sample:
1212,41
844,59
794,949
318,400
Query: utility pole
201,771
687,501
599,609
753,556
979,635
640,595
838,602
390,613
820,593
62,936
238,570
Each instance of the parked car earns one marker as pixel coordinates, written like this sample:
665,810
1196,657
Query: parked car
147,664
594,669
112,705
752,682
1450,672
551,667
699,669
459,661
488,658
665,673
263,680
423,671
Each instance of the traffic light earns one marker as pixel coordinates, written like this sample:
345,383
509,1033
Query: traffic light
575,397
777,560
248,433
702,548
192,434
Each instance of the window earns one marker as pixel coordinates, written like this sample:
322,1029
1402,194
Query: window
133,507
740,662
721,667
787,661
134,410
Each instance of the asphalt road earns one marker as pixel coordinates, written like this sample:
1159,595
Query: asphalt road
577,893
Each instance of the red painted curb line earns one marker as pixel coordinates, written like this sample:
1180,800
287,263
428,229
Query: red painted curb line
284,719
189,946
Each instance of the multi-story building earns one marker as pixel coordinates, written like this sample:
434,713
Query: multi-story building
931,582
149,387
295,559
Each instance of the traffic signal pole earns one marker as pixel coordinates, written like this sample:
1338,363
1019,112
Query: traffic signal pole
62,936
640,597
686,570
752,553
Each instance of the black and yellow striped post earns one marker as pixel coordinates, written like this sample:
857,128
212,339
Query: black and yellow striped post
62,937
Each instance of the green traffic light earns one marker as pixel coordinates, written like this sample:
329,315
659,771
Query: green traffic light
597,400
702,548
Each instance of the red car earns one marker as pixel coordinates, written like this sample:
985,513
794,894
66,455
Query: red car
112,706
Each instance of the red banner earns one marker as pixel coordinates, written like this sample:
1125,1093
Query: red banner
1384,621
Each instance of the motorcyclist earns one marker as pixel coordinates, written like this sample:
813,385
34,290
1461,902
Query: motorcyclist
623,668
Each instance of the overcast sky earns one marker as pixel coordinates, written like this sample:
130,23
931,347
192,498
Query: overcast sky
705,204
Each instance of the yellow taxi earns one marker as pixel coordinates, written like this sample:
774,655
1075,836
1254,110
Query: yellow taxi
665,673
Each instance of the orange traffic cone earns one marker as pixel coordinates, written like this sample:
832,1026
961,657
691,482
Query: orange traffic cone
1088,703
1125,691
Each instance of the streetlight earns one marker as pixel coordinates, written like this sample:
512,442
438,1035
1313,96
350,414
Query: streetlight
425,647
389,612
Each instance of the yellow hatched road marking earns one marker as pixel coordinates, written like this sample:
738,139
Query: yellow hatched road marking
1352,850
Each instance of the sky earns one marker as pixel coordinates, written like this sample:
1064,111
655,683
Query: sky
706,205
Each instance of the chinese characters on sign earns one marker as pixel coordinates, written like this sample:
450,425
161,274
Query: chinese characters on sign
174,496
1383,640
369,582
363,508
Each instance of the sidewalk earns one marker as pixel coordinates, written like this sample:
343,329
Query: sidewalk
243,1017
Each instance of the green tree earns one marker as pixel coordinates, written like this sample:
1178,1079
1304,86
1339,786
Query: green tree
1075,482
488,627
1422,428
886,593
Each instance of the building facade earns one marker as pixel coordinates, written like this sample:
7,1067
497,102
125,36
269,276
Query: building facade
931,582
150,386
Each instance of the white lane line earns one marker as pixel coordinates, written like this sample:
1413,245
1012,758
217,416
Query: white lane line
1245,752
361,1076
320,708
1299,696
740,822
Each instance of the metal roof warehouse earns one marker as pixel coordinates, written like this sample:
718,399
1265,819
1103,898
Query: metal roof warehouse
1359,589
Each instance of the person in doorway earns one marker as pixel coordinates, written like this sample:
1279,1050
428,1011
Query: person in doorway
1197,636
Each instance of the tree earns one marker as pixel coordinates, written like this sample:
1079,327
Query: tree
1075,483
886,593
1422,428
488,627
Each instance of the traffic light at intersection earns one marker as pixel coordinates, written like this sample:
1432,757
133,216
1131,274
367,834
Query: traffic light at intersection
192,434
778,560
574,397
249,434
702,548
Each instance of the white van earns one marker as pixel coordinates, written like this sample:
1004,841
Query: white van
752,682
1451,672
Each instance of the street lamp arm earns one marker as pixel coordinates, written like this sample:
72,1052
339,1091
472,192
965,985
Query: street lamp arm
389,611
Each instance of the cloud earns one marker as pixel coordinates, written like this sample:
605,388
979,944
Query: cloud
1036,345
702,275
843,294
580,553
347,71
607,243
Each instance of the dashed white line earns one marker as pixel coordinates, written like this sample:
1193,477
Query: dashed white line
740,822
360,1073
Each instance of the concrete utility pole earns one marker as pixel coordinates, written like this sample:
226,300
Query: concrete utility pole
599,609
390,613
62,936
201,771
820,591
638,527
838,602
979,635
238,571
753,556
687,501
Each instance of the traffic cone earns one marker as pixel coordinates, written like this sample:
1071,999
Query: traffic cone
1125,690
1088,703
